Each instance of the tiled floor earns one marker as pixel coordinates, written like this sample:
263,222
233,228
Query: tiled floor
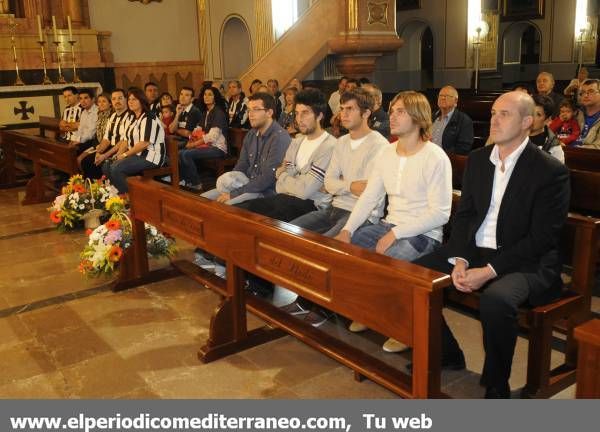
62,336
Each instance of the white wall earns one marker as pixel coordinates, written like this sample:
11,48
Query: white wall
156,32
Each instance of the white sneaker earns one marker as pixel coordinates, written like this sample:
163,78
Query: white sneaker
201,261
181,182
166,179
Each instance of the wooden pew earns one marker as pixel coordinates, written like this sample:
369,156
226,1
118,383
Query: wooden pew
584,159
44,153
172,167
588,362
407,305
49,127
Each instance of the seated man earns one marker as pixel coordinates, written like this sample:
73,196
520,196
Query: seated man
151,92
505,236
544,84
187,115
300,176
379,120
237,109
416,175
334,99
589,117
345,179
262,152
69,122
452,129
85,135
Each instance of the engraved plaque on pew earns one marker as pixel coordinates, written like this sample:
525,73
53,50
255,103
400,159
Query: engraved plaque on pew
180,223
295,271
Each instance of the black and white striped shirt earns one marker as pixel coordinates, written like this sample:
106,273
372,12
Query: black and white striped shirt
116,127
149,129
71,114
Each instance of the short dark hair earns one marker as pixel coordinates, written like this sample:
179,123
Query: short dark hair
267,100
188,88
352,80
273,80
71,89
342,79
364,98
139,94
591,81
149,84
314,99
119,90
364,80
545,103
568,103
88,92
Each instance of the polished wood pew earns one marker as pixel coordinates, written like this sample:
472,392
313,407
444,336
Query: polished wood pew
49,127
588,362
43,153
579,250
172,167
584,159
396,298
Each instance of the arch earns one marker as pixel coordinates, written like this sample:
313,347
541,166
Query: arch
417,53
521,43
236,47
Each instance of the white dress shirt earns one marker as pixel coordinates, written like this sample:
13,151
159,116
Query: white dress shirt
87,125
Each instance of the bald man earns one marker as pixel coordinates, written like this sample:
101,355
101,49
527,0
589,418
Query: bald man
544,84
504,238
452,129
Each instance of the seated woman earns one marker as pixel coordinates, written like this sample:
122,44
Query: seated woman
540,134
86,159
145,139
208,139
287,119
166,100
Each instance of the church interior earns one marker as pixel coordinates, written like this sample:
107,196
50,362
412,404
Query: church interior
147,327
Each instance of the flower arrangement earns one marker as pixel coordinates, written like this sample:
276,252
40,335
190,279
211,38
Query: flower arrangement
78,197
107,243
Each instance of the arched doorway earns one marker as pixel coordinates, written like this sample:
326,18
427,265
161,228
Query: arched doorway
236,49
521,44
415,58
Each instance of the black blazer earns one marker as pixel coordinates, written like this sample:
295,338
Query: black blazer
532,212
458,134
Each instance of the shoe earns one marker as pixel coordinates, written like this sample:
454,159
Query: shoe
201,261
166,179
181,182
497,393
317,317
393,346
356,327
196,186
220,271
455,363
294,308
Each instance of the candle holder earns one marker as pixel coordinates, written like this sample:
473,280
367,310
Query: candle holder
75,77
12,27
61,78
46,77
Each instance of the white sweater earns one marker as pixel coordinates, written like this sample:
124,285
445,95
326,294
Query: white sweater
420,196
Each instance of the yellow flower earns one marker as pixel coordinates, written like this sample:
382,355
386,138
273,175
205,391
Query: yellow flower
114,204
76,179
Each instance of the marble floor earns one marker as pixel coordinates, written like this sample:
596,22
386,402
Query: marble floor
62,336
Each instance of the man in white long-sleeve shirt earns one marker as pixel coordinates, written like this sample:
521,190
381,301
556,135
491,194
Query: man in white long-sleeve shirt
85,135
416,175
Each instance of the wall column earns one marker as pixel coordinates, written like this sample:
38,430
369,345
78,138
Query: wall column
264,27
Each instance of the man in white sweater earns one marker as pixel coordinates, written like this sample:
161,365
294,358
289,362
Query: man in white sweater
416,175
345,180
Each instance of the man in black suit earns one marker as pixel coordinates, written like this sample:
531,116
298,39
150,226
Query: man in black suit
504,238
452,129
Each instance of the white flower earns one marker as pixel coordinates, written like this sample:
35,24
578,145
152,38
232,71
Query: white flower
81,206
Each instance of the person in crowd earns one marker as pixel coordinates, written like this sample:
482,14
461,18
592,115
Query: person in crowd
452,129
145,138
379,120
167,115
151,92
85,135
69,121
572,90
334,99
545,86
589,116
287,117
208,140
337,129
111,140
237,105
416,176
254,86
166,99
345,179
565,126
105,110
296,83
505,236
187,116
273,86
363,80
300,176
540,134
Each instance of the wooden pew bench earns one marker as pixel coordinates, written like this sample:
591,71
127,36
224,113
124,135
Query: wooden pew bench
588,364
396,298
49,127
44,153
584,159
172,167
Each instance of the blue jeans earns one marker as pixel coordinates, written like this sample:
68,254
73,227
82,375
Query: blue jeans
408,249
118,171
328,221
189,157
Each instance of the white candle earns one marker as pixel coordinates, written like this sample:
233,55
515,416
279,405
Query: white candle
70,29
40,34
54,28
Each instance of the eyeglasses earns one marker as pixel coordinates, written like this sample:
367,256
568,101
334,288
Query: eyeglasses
588,93
256,110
